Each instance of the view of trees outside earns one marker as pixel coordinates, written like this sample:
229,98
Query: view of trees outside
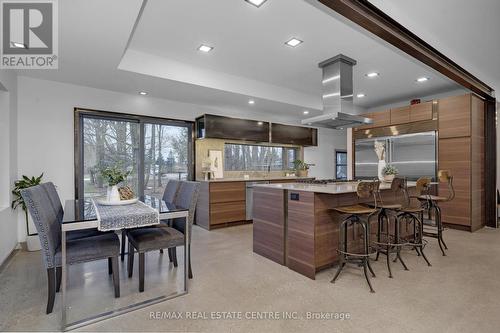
109,143
166,156
257,158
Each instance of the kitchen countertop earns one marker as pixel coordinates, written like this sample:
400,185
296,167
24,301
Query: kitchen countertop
254,179
333,188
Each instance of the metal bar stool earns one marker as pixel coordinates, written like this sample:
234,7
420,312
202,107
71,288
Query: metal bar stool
391,243
358,215
412,215
431,203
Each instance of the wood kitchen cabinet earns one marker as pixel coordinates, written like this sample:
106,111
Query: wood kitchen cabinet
220,203
382,118
454,116
400,115
421,111
461,151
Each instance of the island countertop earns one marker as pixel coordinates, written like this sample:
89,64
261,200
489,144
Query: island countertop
332,188
255,179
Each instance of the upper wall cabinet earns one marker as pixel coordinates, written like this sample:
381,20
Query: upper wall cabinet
421,111
400,115
294,135
219,127
455,116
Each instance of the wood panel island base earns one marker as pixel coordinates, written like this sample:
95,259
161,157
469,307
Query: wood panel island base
295,226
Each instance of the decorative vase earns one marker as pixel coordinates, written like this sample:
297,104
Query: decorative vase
113,194
33,243
389,178
381,166
302,173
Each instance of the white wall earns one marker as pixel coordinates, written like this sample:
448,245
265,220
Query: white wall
323,156
46,128
8,161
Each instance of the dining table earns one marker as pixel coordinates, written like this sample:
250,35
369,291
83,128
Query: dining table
80,214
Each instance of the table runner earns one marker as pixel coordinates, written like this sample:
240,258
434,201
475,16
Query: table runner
124,217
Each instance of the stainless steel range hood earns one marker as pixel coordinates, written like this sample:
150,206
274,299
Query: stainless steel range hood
337,96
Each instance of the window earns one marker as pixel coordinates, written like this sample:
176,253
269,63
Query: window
153,150
239,157
340,164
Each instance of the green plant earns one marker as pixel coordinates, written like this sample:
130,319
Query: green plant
389,170
300,165
24,182
114,176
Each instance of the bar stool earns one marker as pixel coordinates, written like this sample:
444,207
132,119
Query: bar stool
358,215
392,242
413,216
431,203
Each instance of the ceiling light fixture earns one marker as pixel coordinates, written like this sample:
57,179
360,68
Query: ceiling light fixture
360,95
294,42
251,102
305,112
260,123
205,48
256,3
422,79
373,74
143,93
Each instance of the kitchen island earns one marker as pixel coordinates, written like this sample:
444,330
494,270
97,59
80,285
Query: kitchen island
224,202
295,226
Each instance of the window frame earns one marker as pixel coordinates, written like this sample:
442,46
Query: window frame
340,151
284,159
81,113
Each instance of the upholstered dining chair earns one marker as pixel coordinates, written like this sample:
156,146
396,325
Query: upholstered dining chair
164,237
46,211
169,195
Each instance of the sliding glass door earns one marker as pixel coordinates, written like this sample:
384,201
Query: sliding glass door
166,156
152,150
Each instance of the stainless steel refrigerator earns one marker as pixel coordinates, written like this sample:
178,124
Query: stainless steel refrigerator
414,155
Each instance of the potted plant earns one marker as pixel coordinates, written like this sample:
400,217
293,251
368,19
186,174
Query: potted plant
32,240
301,168
389,173
114,176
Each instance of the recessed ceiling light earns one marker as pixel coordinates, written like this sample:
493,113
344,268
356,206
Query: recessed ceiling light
251,102
360,95
205,48
256,3
422,79
373,74
294,42
260,123
306,112
143,93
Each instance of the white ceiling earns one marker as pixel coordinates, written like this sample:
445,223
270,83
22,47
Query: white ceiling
468,32
250,59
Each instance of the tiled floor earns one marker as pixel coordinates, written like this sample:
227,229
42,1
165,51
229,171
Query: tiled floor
460,292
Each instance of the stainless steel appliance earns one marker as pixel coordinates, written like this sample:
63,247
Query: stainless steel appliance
337,96
414,155
249,197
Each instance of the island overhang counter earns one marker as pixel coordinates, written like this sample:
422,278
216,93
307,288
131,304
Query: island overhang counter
294,224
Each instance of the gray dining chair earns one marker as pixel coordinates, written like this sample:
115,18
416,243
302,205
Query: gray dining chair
163,237
46,211
187,197
169,195
171,190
